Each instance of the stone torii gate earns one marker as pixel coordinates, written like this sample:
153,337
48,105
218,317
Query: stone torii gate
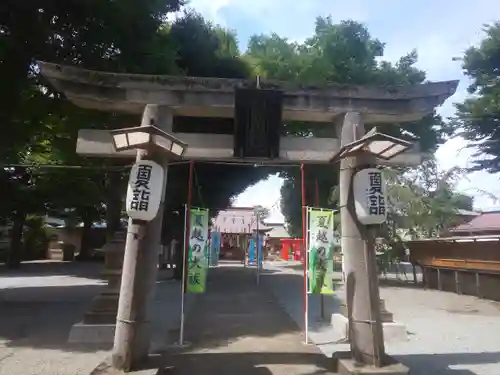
344,108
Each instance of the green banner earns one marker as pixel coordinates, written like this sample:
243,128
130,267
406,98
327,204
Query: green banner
198,250
320,243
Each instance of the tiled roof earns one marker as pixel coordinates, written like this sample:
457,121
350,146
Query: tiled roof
486,222
467,213
278,231
237,220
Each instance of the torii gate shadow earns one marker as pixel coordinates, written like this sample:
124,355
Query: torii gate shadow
237,363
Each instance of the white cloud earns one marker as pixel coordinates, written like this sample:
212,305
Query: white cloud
265,193
210,8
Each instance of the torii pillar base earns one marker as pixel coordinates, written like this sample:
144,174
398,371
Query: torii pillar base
344,364
393,331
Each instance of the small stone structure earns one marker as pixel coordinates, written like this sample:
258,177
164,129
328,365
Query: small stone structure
98,325
393,331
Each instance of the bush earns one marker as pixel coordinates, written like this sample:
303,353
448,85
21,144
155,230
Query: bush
35,239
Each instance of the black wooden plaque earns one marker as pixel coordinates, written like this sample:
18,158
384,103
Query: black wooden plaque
257,123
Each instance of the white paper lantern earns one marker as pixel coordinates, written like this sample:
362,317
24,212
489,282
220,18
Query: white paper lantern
145,186
370,197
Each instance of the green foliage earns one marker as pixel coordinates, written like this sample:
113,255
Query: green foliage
106,35
262,212
113,35
40,126
423,201
205,50
341,53
478,117
132,37
35,238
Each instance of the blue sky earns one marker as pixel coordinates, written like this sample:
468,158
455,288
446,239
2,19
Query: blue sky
439,30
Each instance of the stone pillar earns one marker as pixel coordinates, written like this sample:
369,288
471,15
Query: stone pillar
142,292
363,345
98,324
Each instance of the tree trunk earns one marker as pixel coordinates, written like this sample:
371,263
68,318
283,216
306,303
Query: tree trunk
113,204
85,242
16,240
179,261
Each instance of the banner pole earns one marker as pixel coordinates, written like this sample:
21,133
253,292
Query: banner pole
321,296
185,257
304,241
183,287
257,254
307,275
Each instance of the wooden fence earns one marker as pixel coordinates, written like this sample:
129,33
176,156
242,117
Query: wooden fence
464,265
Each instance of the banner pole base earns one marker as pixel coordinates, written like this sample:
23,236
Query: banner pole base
178,345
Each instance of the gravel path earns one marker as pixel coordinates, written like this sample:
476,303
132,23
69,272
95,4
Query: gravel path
448,333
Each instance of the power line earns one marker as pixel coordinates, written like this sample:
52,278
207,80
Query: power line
61,166
247,164
64,166
108,167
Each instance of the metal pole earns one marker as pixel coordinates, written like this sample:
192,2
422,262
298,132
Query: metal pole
185,257
183,284
321,296
306,255
257,248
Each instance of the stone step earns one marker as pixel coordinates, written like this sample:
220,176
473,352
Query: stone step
94,317
105,302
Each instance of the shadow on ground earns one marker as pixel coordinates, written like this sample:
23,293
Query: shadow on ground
41,268
234,307
296,267
237,363
238,327
41,317
444,363
399,283
288,290
257,363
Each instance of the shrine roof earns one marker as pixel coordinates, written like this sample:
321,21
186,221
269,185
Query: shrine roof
485,222
237,220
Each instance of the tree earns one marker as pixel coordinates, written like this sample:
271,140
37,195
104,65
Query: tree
478,117
114,37
340,53
203,49
262,212
423,200
422,203
95,34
